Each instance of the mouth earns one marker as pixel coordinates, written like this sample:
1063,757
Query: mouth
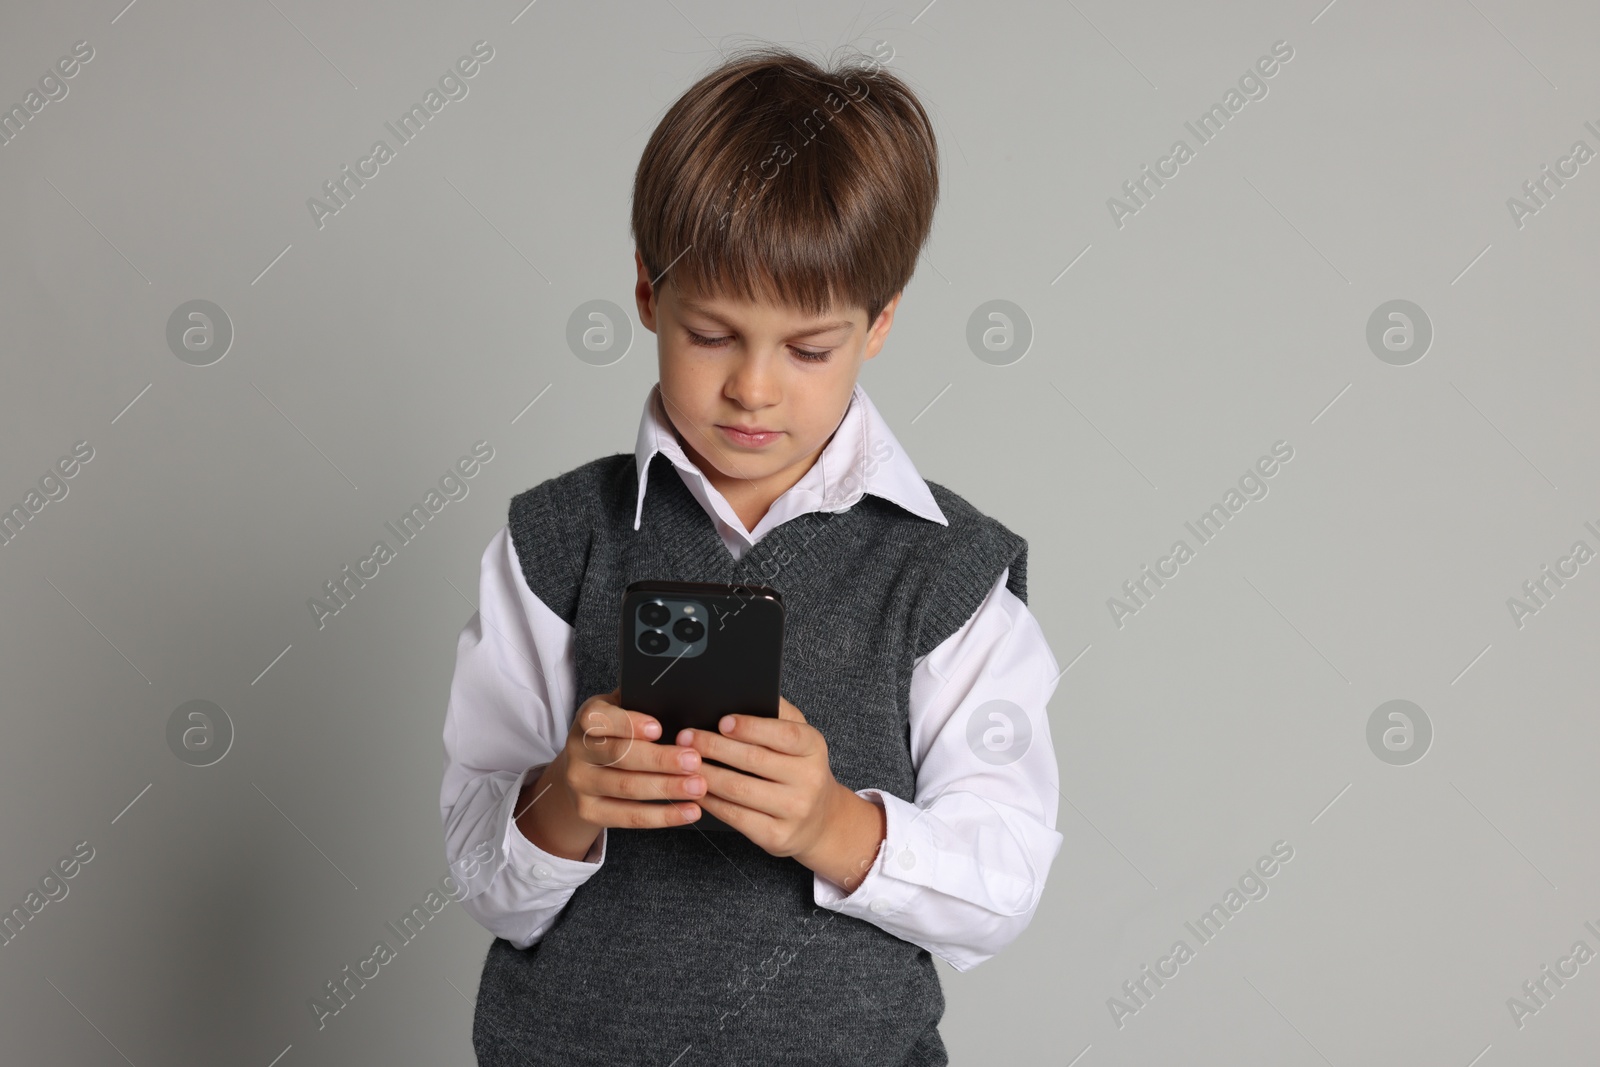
752,438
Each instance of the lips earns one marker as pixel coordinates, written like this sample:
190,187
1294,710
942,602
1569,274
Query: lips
755,436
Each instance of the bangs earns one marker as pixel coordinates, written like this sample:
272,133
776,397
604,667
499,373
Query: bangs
772,180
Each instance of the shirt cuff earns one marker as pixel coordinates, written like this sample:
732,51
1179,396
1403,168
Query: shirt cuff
531,864
881,893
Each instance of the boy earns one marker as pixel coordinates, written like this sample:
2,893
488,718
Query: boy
904,804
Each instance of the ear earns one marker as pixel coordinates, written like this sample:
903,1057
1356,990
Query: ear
879,331
644,294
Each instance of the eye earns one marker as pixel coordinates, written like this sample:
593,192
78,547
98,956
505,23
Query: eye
805,355
706,342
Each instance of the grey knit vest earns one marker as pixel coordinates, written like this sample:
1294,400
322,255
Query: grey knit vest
689,948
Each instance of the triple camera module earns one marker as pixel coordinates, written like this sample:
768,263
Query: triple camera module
665,627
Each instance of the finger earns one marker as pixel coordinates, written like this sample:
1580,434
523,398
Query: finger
788,711
636,815
754,759
788,736
602,751
639,785
753,824
600,747
660,758
664,759
600,717
608,734
602,722
758,794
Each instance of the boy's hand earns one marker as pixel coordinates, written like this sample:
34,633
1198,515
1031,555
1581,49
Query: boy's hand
613,768
787,801
605,775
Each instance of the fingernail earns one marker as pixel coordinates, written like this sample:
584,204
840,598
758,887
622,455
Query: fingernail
726,725
652,729
689,760
685,737
696,786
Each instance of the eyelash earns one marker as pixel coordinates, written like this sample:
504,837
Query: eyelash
805,355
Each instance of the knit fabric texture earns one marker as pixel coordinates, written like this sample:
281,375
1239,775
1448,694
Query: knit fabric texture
697,949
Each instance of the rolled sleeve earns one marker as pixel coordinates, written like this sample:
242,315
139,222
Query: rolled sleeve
509,711
538,869
879,895
962,869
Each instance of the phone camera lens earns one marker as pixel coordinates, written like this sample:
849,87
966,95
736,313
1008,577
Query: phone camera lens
689,630
653,642
654,613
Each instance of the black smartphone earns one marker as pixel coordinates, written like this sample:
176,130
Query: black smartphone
692,652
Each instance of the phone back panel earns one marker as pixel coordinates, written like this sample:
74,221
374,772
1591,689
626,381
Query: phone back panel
692,652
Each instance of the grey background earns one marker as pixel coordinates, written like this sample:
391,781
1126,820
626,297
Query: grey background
1228,314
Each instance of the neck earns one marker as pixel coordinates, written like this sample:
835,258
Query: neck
750,498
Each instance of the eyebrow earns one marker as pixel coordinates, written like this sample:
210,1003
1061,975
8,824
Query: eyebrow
838,324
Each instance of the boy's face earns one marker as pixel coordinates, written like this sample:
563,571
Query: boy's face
729,365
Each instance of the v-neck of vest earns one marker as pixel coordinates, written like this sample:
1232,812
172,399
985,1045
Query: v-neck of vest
703,554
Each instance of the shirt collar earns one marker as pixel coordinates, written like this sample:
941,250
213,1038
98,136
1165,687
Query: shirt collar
863,456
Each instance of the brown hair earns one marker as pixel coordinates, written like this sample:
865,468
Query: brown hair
774,179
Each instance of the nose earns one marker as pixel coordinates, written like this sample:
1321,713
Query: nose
752,382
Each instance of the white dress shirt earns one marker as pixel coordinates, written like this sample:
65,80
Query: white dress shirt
960,870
